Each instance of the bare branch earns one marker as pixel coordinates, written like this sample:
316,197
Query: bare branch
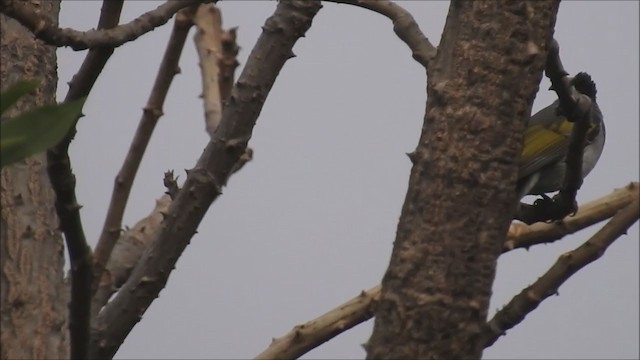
305,337
203,184
132,244
127,252
404,25
580,110
208,41
524,236
81,40
150,115
67,208
566,265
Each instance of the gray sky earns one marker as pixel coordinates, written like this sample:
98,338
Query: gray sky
311,220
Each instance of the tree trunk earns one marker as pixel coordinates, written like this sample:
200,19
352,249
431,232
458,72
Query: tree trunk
461,196
33,322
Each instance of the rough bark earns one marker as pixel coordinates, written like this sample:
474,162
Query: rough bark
461,196
33,321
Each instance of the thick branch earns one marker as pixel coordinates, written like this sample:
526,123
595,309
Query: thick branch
460,199
567,265
152,112
203,184
404,25
81,40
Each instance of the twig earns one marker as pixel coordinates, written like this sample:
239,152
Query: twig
150,115
63,183
360,309
312,334
208,40
404,26
566,265
170,182
203,184
80,40
578,108
524,236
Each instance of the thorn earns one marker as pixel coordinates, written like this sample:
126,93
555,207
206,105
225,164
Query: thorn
413,157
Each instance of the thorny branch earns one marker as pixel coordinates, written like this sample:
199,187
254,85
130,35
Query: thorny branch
567,265
203,184
63,183
150,115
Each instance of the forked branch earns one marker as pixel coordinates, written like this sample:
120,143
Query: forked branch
63,183
305,337
566,265
152,111
203,184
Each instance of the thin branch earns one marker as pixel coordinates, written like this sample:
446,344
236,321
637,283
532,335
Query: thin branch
150,115
132,244
208,40
203,184
566,265
524,236
67,208
305,337
80,40
578,108
404,25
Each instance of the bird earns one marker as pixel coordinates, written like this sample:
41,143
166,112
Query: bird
546,140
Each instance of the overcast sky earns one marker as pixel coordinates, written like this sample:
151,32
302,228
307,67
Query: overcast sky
310,221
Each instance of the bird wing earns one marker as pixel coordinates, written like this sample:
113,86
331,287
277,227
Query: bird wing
543,145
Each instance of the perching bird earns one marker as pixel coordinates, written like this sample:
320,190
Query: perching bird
546,140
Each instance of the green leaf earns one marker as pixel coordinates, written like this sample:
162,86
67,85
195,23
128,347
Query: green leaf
36,130
15,92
